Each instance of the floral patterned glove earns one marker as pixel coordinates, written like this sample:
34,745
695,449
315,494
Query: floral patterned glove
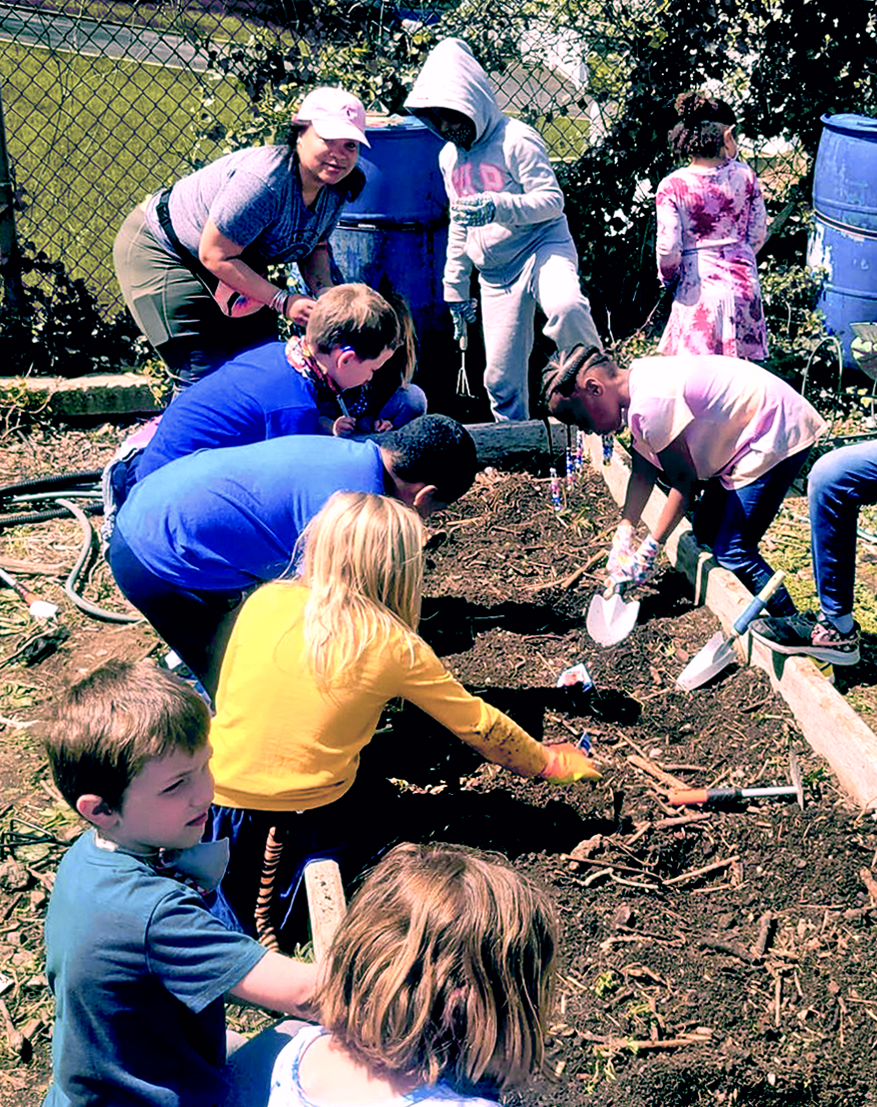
473,211
627,565
566,764
645,561
462,312
621,554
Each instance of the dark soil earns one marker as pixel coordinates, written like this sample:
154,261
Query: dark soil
709,957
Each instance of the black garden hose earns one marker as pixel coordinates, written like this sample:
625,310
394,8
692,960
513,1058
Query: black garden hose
81,561
52,483
41,516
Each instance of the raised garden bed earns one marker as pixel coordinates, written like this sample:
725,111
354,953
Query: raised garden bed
724,958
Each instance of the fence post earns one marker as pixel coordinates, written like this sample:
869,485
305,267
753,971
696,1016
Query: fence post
10,257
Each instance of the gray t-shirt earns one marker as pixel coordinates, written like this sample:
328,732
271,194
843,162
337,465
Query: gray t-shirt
254,198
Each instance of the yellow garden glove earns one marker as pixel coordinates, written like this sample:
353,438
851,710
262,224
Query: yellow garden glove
566,764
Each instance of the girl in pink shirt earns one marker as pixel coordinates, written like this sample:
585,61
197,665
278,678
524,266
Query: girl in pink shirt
711,223
712,421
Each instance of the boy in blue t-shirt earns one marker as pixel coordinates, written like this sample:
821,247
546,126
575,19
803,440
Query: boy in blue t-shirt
137,965
349,374
202,531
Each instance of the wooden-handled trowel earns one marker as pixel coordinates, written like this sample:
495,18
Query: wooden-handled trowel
719,651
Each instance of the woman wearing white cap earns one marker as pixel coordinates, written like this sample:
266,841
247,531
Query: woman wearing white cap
191,260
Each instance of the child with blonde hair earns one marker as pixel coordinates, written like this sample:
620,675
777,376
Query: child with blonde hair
437,987
309,668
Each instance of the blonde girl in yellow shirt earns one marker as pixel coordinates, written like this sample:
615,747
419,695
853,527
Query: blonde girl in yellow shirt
310,666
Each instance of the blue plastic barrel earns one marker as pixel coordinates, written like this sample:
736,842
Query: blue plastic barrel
844,238
395,235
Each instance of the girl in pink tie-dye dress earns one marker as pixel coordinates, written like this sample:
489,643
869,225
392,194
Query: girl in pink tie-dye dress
711,223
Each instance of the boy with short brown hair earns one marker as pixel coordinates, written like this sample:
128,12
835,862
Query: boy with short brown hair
137,964
282,387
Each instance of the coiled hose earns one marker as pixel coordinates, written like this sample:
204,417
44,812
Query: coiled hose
84,554
48,484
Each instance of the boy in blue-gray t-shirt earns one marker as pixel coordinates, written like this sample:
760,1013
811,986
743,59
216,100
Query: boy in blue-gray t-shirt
137,965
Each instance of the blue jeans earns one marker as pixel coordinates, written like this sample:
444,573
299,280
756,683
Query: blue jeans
352,830
840,482
733,522
406,403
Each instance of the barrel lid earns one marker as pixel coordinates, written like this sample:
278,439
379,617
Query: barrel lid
860,124
379,121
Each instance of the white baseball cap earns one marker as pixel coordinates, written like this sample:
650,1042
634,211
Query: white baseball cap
333,113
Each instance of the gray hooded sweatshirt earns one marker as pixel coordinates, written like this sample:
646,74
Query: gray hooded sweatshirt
508,161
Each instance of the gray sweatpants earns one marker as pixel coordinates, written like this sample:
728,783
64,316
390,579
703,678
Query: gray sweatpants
550,279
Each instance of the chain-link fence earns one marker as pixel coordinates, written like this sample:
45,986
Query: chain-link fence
105,102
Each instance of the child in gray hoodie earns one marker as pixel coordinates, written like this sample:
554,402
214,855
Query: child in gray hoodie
506,220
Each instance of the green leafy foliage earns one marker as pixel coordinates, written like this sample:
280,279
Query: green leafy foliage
366,49
789,293
61,329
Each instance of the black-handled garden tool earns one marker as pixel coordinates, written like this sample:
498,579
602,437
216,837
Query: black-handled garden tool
731,795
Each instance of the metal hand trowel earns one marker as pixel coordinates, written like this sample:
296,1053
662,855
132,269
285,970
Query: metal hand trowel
610,619
718,653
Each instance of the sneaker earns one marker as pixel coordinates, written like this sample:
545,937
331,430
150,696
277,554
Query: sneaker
801,634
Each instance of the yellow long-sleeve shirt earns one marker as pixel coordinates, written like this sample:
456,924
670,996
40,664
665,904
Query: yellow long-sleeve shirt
282,744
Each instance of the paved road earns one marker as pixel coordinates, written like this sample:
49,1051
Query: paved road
85,36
